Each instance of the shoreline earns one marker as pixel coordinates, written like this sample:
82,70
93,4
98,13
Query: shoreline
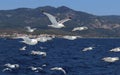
51,35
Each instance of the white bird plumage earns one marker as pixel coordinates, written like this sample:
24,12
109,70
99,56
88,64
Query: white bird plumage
88,49
54,22
29,29
115,49
38,53
36,69
23,48
70,37
6,69
110,59
44,65
28,40
44,38
59,68
12,66
9,67
80,28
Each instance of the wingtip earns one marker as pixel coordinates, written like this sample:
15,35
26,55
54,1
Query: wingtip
70,17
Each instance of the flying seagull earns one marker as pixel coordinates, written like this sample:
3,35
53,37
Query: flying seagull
29,29
12,66
115,49
27,40
80,28
70,37
110,59
55,23
38,53
88,49
36,69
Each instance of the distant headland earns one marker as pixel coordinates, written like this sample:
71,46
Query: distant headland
14,21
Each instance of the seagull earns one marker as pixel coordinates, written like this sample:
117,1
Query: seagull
80,28
44,38
54,22
28,40
44,65
59,68
11,66
115,49
36,69
88,49
70,37
38,53
110,59
29,29
23,48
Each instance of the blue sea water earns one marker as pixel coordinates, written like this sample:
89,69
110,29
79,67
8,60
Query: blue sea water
61,53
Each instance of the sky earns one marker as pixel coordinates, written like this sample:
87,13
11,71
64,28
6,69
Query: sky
96,7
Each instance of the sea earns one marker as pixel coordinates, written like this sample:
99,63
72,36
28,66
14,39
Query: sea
63,53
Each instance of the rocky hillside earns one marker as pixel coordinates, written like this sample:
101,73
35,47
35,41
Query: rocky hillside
99,26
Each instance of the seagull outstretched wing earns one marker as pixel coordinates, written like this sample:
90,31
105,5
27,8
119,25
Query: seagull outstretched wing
51,18
6,69
34,28
64,20
25,38
28,27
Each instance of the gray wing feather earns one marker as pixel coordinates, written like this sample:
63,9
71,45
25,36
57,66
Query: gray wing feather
51,18
64,20
28,27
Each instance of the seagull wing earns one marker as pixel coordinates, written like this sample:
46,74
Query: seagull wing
28,27
63,71
26,39
34,28
6,69
51,18
40,68
55,68
64,20
60,69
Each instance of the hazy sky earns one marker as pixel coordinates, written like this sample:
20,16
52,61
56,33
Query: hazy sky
97,7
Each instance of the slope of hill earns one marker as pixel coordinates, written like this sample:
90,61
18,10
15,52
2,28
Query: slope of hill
99,26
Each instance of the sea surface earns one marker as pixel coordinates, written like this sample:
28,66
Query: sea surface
63,53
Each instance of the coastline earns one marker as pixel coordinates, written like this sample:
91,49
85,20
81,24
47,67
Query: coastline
4,35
